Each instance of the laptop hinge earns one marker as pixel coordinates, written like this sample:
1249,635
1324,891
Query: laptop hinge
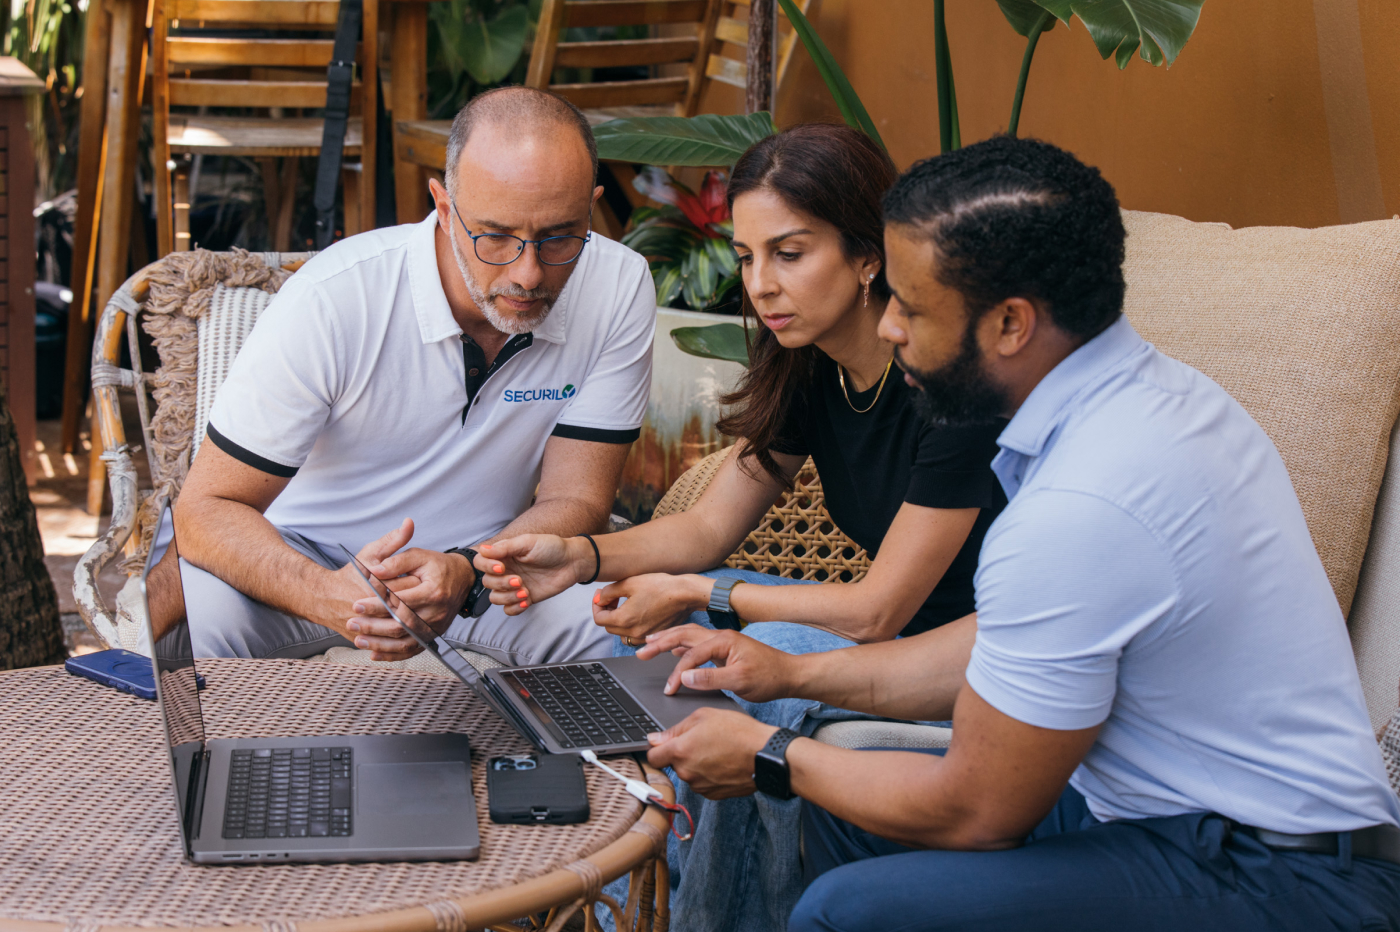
194,798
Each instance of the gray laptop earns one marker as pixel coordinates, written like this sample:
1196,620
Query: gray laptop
315,798
607,706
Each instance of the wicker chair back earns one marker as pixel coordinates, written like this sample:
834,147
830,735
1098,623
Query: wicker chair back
796,539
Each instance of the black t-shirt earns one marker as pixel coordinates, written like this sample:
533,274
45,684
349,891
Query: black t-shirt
870,464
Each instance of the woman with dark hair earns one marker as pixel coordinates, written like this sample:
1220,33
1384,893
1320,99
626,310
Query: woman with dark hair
808,231
809,236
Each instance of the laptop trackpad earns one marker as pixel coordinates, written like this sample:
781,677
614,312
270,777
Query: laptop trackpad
414,804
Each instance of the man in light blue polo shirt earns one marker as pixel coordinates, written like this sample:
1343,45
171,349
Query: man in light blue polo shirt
1157,718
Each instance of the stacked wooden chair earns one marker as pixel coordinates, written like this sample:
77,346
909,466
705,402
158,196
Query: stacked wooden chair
689,44
258,63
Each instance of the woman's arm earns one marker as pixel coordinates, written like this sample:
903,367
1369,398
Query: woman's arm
532,567
917,550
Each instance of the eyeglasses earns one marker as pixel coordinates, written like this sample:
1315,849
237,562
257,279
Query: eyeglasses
503,248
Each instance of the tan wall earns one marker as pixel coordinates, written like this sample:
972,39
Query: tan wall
1277,111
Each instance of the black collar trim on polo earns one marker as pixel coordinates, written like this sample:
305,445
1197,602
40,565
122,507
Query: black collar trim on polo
474,360
248,457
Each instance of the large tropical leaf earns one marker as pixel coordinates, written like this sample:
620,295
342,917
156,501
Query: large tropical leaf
718,341
852,110
491,47
1024,14
703,141
1159,28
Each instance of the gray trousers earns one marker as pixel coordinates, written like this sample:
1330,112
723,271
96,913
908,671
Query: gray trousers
226,623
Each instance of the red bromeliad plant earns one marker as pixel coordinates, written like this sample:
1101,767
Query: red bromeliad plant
686,240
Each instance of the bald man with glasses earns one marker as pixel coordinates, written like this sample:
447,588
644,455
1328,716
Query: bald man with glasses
415,392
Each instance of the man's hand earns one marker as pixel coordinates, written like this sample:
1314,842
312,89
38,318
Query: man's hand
371,628
433,584
532,567
748,668
653,601
712,750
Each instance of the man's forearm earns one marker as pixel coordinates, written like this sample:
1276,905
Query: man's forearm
915,678
563,517
234,542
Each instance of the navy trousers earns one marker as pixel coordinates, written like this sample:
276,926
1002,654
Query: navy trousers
1186,873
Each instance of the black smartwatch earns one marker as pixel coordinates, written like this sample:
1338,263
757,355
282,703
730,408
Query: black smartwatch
721,615
478,596
770,766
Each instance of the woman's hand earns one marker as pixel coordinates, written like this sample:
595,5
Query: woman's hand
653,601
531,568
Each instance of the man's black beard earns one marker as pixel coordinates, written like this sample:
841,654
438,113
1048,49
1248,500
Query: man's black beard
961,393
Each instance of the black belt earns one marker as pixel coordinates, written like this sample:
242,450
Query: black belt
1381,842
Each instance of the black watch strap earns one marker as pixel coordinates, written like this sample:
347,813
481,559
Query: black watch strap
478,598
771,775
722,616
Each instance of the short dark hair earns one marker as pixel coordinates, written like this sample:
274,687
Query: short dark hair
1020,218
514,105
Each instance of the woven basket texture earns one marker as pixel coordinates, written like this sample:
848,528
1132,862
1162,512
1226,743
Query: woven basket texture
96,757
796,539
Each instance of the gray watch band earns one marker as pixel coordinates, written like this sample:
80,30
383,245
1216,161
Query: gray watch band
721,615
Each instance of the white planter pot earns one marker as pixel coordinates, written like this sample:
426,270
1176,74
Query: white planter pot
679,429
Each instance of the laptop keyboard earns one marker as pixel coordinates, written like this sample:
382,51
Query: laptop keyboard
586,704
288,793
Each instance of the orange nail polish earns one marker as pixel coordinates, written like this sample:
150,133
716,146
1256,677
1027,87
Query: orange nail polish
498,568
515,581
524,604
522,593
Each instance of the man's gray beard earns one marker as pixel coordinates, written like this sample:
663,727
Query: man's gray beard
486,303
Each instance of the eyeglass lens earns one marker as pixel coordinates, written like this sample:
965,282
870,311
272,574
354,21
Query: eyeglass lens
502,248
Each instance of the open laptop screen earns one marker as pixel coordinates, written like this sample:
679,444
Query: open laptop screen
178,693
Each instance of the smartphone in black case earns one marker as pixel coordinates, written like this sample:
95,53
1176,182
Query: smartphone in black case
537,789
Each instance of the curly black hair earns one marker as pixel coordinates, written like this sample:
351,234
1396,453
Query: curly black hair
1019,218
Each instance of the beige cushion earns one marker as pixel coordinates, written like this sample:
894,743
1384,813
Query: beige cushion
1302,327
1375,613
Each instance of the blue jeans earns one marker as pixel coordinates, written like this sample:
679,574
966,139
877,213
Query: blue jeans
741,872
1185,872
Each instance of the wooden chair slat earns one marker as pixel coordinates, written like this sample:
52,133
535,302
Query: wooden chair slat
727,71
290,136
624,93
422,142
197,92
279,12
586,13
294,53
616,52
732,30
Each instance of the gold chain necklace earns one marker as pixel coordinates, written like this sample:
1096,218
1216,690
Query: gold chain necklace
841,373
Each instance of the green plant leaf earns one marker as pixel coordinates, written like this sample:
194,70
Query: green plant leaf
702,141
491,47
852,110
1157,29
718,341
668,286
1024,14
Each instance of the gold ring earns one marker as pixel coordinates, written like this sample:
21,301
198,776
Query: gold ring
631,641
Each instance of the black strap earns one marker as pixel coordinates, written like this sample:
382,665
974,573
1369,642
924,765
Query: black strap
340,74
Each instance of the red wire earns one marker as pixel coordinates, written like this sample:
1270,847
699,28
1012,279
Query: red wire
673,808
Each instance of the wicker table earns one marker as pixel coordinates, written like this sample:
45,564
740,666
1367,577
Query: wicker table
89,838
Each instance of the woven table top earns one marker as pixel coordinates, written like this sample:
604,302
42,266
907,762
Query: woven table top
88,829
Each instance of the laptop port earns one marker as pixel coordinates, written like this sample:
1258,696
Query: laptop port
233,857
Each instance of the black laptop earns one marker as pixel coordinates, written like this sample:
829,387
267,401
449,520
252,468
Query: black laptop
314,798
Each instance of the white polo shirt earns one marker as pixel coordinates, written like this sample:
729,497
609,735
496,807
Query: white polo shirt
354,384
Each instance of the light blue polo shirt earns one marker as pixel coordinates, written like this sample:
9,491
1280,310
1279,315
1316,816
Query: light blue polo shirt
1153,573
